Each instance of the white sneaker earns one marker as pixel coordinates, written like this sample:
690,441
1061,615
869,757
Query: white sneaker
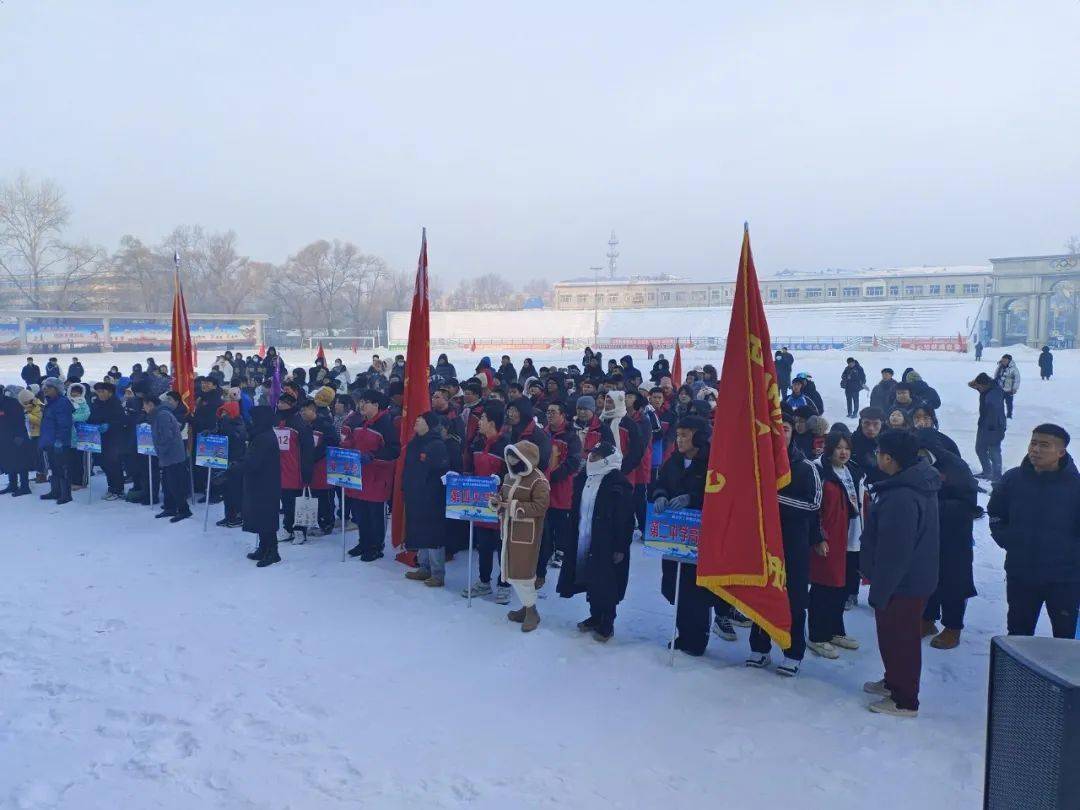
845,642
636,537
824,649
888,706
758,660
722,628
877,688
112,496
286,537
478,589
739,620
301,538
502,595
789,668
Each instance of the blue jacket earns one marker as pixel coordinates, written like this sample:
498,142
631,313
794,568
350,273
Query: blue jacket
167,440
1035,517
56,422
900,541
246,405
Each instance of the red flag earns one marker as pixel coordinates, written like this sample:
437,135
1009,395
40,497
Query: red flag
416,399
181,347
473,349
741,552
194,355
354,347
562,344
676,367
320,354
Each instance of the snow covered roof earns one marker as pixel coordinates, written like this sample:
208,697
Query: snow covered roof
881,272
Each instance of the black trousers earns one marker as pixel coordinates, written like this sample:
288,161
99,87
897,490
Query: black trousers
488,545
797,592
853,576
268,547
76,464
198,479
233,492
852,398
288,508
59,483
556,527
640,501
19,480
826,612
1009,405
175,481
950,611
603,616
692,612
370,516
325,497
114,471
1026,602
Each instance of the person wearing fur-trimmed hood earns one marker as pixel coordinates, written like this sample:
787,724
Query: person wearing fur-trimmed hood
522,503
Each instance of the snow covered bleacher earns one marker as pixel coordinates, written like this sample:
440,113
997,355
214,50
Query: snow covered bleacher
885,319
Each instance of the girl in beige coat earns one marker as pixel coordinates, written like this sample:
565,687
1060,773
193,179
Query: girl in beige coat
522,503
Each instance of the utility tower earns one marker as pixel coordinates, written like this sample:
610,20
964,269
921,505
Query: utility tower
612,254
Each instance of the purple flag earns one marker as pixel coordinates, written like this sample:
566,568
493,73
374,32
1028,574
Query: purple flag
275,386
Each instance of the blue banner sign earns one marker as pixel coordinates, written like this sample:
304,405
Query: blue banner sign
467,497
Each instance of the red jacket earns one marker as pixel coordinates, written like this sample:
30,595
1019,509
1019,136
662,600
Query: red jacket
487,459
376,437
832,570
565,463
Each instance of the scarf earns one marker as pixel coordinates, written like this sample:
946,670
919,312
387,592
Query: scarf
594,476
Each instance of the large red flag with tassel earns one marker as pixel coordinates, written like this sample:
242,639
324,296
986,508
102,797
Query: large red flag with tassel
320,354
181,348
416,399
676,367
741,551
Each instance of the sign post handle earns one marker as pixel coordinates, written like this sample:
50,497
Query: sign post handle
89,467
675,619
344,542
206,514
149,481
468,566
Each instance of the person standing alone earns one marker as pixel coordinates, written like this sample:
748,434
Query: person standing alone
1007,375
853,380
991,430
1035,516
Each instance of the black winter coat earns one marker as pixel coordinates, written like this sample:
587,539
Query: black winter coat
957,509
31,374
1035,517
853,378
426,462
16,450
612,532
75,371
800,517
864,453
992,411
900,539
1046,363
262,474
883,395
236,431
204,420
784,362
109,412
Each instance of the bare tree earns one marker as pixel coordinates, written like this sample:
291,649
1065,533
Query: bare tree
32,219
81,281
1072,244
333,275
142,276
489,291
359,291
287,300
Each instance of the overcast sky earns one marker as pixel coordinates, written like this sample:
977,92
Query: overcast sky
849,134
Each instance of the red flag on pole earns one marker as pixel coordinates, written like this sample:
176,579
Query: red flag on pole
181,347
320,354
473,345
562,344
194,355
416,399
676,367
354,347
741,552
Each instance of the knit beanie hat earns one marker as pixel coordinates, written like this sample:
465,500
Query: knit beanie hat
324,397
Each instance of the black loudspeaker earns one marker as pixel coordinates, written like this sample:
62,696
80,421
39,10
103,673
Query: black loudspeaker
1033,725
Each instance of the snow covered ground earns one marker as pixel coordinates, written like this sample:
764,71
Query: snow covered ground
144,665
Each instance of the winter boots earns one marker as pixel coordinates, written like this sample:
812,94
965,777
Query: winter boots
531,620
929,628
517,615
888,706
419,575
947,639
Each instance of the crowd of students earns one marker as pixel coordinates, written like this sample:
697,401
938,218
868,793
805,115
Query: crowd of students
579,451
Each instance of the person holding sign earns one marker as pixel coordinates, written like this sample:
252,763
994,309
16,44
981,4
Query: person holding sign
602,529
522,503
564,465
80,413
262,486
371,431
296,460
230,424
487,459
172,457
680,484
316,418
426,462
107,412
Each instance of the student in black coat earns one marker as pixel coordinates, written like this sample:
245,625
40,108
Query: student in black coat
899,555
75,370
456,531
991,427
800,524
203,420
262,485
106,410
957,510
784,361
16,449
680,485
31,374
852,380
426,462
1046,363
1035,516
602,528
317,418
